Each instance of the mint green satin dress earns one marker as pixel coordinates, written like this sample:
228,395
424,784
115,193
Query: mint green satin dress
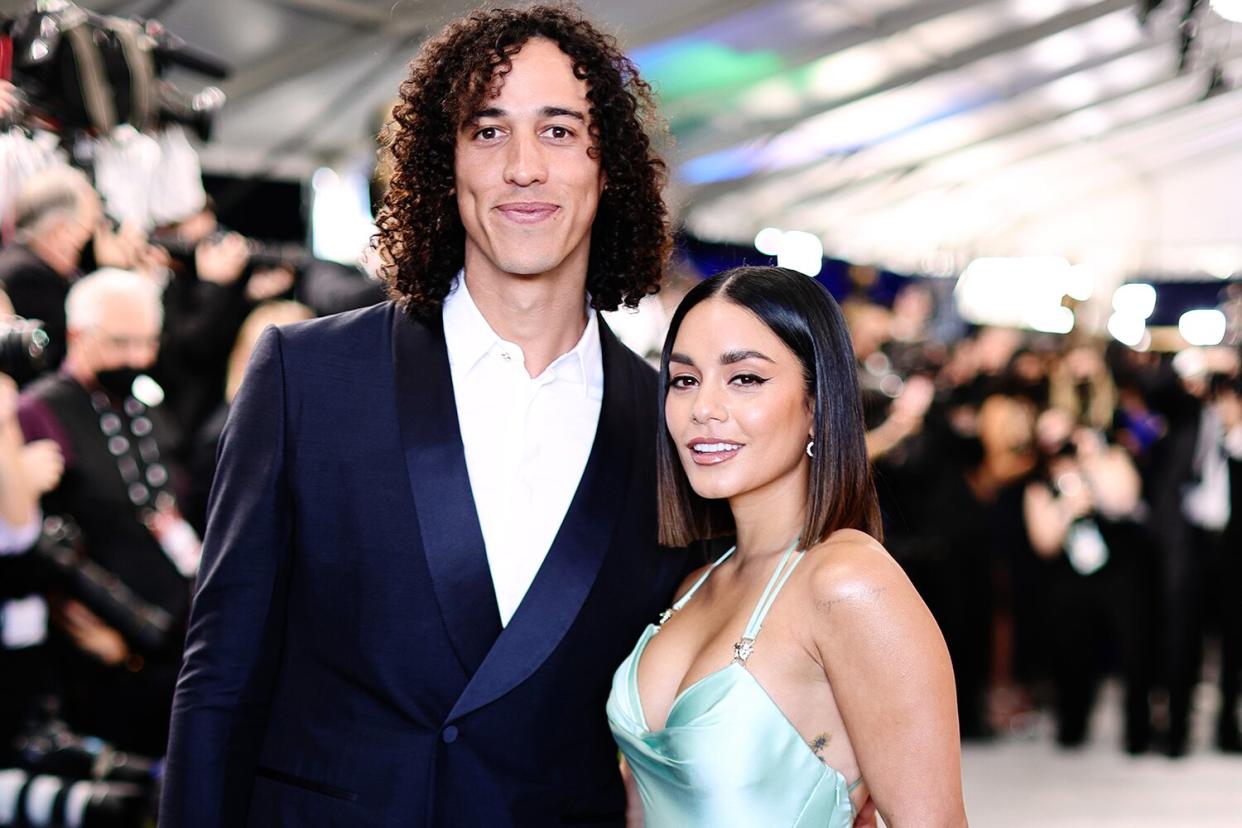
727,756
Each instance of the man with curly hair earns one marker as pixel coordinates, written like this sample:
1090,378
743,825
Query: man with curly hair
432,532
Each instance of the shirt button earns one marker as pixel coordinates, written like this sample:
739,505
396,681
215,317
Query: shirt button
505,355
449,735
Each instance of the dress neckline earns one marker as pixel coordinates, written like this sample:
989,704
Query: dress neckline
741,650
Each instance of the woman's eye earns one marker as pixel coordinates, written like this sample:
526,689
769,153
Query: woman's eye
749,379
682,381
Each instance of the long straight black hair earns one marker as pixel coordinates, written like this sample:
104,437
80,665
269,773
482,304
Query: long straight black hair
808,320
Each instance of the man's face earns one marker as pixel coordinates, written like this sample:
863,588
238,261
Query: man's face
77,228
127,335
526,187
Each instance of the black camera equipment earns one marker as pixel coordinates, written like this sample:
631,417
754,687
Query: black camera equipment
262,254
145,625
34,801
51,747
83,71
23,343
69,779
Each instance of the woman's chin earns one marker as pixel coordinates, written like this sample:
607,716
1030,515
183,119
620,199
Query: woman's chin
712,489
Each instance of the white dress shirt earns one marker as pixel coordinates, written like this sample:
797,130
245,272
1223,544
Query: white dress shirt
1206,503
527,439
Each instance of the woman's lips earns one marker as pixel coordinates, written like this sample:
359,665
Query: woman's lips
527,212
713,452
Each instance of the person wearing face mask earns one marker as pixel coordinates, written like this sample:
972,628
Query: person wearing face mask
118,487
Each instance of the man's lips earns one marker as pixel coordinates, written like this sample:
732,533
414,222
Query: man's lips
527,212
710,451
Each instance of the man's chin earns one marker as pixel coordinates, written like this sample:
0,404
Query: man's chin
529,267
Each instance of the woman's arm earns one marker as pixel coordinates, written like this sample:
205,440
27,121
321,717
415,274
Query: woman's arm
633,803
890,672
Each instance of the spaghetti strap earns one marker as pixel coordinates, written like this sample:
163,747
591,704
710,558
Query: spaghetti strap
775,583
681,602
746,645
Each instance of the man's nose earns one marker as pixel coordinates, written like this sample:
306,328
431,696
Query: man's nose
525,163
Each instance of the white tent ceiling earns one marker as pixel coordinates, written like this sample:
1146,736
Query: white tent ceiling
915,134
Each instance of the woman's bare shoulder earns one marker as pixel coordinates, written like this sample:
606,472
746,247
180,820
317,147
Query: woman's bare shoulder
852,569
689,581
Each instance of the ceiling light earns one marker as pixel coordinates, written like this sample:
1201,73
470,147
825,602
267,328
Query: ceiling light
1127,329
1136,300
1203,327
768,241
801,251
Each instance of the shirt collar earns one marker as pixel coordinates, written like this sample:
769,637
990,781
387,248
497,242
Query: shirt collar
468,338
467,335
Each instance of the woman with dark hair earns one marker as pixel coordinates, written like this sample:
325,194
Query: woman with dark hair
799,679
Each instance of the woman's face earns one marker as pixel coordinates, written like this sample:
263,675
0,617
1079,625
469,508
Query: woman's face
737,407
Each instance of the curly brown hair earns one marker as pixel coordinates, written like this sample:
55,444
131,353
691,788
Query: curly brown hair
421,238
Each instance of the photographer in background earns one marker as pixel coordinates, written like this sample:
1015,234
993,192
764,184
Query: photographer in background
118,488
215,284
1085,517
55,217
26,472
1227,406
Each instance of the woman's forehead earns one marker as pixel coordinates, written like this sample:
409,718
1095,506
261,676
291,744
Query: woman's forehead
717,327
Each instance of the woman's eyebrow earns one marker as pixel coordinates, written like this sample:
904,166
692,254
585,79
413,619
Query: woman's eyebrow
730,357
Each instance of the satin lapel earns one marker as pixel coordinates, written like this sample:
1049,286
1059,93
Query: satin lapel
436,463
573,562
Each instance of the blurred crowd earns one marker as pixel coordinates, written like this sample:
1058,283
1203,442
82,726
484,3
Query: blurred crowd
121,345
1069,509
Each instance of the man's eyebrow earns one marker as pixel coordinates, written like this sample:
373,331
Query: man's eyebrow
490,112
544,112
560,111
730,357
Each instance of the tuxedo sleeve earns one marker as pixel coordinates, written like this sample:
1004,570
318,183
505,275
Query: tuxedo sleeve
236,624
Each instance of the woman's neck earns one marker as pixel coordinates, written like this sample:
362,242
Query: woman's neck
768,520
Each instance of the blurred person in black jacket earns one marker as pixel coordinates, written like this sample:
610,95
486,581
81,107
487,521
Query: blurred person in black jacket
1188,489
1228,408
202,464
61,231
55,217
213,285
1085,517
26,472
118,488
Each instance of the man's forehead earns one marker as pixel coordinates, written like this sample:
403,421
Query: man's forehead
538,75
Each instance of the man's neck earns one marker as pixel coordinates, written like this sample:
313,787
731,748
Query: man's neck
543,315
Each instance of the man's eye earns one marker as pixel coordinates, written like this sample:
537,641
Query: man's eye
559,132
487,133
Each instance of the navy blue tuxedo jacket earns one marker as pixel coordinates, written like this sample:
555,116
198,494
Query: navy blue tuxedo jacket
345,663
